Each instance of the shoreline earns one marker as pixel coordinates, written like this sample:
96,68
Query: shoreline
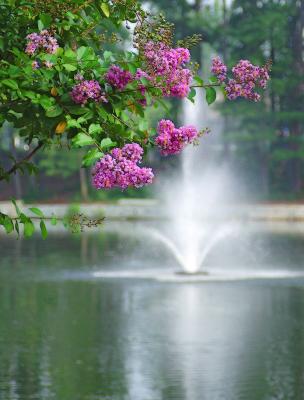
149,209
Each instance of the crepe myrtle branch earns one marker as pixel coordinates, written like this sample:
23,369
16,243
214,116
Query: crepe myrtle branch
73,220
75,223
18,164
158,87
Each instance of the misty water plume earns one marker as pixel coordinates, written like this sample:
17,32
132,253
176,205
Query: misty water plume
198,193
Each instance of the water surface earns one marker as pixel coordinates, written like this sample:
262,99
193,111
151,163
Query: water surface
66,335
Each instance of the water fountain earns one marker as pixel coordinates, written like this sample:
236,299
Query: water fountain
200,188
197,244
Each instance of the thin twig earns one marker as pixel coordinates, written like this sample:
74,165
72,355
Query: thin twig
157,87
17,164
122,122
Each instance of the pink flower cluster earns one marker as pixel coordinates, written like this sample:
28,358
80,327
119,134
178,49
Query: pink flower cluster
219,69
41,41
162,62
118,77
119,169
172,140
246,78
87,90
168,63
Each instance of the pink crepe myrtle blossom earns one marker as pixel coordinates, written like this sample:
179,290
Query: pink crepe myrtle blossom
117,77
168,64
88,90
162,59
42,41
178,85
246,78
219,69
119,169
172,140
164,70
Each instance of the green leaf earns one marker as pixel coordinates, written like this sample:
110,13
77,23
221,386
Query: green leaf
29,228
23,218
54,111
108,55
44,232
210,95
91,156
105,9
81,52
69,54
8,224
10,83
46,102
213,79
70,67
17,228
46,20
53,220
28,93
223,90
78,110
102,113
82,139
143,124
107,143
144,81
133,68
84,52
81,120
164,105
95,129
73,123
40,25
18,212
199,80
192,94
36,211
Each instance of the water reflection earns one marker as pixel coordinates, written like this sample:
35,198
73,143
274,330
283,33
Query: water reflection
147,340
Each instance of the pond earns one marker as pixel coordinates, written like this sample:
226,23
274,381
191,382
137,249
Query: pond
67,333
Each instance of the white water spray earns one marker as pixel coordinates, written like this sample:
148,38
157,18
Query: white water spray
199,191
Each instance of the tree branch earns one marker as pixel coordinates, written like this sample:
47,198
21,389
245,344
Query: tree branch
159,87
17,164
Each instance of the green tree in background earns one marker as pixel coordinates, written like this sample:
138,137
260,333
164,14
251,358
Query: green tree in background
269,135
